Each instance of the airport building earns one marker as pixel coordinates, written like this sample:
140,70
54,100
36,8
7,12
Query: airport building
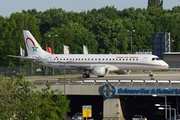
173,59
115,99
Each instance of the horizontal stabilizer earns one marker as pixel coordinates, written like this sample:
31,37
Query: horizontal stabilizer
22,57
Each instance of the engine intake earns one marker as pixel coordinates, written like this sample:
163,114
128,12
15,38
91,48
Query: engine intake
100,71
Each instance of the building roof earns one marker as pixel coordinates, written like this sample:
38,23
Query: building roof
171,53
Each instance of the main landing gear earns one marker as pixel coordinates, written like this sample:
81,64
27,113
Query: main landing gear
150,74
86,74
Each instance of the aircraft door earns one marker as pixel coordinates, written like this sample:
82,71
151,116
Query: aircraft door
145,59
49,59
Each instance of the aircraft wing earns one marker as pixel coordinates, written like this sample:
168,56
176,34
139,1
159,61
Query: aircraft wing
22,57
173,69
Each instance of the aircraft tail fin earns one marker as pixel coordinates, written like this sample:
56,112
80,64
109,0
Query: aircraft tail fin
32,46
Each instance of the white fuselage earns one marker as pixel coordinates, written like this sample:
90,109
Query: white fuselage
113,62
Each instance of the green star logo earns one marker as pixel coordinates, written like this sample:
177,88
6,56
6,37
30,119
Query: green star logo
34,48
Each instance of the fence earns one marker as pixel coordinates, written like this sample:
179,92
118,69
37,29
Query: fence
36,70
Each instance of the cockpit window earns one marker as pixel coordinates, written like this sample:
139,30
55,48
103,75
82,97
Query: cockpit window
156,59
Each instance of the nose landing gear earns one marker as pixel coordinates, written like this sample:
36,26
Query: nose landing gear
150,74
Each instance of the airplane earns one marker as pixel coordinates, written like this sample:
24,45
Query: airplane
98,64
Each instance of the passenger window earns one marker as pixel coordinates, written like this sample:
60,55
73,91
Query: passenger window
113,59
153,58
64,58
106,59
82,58
67,58
88,59
54,58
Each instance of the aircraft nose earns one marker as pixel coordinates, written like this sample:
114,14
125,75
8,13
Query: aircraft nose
166,65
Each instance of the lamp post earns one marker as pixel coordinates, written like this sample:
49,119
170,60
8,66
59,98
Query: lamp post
52,42
131,38
52,48
116,45
149,42
64,73
154,95
158,105
161,108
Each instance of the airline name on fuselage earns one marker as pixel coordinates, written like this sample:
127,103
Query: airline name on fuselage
126,56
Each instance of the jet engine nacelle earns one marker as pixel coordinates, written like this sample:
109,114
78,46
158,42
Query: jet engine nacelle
100,71
123,71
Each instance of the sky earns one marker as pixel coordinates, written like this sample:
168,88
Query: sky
7,7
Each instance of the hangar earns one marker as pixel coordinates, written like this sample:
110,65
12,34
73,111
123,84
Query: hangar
172,59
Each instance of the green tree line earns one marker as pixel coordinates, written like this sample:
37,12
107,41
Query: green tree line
99,29
19,100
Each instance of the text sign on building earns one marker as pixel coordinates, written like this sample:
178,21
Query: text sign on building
147,91
87,111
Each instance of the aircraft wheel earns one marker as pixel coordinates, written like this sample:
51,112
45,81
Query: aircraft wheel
84,75
151,75
88,75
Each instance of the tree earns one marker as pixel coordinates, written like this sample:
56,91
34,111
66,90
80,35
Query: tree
20,100
155,3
